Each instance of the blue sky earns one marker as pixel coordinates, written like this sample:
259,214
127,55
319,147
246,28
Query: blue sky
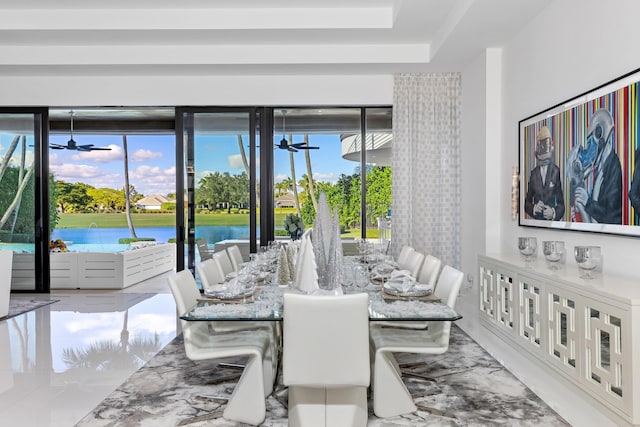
152,160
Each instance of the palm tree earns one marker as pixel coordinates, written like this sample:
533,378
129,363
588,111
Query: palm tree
294,187
23,179
127,189
105,355
307,157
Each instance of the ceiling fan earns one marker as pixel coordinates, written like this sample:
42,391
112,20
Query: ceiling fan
293,147
72,145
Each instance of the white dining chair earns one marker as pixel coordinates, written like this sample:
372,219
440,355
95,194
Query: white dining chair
223,261
404,254
413,263
210,273
235,256
203,249
390,395
325,359
247,403
428,276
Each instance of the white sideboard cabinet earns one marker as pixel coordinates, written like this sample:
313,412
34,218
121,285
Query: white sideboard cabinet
585,330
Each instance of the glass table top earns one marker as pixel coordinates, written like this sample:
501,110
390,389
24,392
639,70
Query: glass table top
267,302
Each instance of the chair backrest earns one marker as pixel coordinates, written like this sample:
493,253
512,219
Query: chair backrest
448,285
203,249
430,269
222,258
210,273
235,256
413,263
185,290
404,254
326,340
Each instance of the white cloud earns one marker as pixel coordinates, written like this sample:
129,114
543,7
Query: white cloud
74,171
153,179
280,177
331,177
144,155
235,161
100,156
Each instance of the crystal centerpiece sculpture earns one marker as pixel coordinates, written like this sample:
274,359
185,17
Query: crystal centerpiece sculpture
327,246
589,259
528,247
553,251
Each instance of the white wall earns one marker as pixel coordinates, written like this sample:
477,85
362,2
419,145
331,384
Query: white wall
571,47
473,184
139,90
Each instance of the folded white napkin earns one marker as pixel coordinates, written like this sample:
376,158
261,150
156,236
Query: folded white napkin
306,268
401,280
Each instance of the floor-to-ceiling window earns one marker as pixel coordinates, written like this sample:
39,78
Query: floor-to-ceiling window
238,169
221,185
23,192
320,150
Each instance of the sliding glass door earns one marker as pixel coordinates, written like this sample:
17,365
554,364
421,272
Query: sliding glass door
24,207
221,191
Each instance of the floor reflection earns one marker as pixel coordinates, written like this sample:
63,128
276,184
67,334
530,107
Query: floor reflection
59,361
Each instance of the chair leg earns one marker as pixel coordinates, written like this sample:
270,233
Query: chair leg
307,407
347,407
390,395
247,402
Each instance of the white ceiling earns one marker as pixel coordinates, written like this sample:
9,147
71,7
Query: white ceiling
252,37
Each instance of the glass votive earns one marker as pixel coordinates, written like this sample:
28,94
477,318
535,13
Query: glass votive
589,259
528,247
554,252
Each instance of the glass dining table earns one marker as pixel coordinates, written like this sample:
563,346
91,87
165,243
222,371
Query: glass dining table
266,304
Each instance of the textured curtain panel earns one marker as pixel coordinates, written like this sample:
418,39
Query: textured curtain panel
426,164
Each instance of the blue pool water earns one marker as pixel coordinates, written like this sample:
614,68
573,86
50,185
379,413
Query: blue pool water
106,239
93,235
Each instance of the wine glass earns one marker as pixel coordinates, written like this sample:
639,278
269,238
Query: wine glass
360,276
553,251
528,247
589,258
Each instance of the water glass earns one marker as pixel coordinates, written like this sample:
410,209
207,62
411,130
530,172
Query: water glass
360,276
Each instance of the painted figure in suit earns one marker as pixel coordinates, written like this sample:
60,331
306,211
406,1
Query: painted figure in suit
545,199
603,204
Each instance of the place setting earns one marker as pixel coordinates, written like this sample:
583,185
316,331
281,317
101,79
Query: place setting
401,285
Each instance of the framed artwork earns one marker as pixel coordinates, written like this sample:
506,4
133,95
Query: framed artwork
578,162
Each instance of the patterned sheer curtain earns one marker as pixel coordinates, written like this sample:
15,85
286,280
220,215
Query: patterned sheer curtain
426,165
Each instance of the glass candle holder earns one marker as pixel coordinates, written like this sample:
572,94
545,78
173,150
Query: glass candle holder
553,251
528,247
589,259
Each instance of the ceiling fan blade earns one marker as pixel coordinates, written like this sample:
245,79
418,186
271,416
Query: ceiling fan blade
303,146
100,149
292,149
86,147
57,147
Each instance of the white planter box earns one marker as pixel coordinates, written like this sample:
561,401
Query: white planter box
97,270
